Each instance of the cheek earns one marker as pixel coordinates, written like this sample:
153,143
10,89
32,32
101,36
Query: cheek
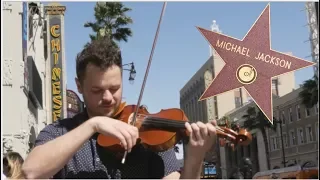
118,95
91,98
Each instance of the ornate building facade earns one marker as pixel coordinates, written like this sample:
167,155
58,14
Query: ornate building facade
312,9
75,105
299,132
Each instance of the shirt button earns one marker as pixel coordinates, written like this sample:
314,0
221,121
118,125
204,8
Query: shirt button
97,159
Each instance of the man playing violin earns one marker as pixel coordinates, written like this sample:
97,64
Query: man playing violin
68,148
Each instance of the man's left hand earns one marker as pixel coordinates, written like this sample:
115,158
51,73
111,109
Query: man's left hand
202,138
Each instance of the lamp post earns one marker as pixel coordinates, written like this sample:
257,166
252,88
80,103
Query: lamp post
281,136
132,71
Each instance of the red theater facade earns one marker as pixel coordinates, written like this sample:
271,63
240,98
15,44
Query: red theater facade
74,103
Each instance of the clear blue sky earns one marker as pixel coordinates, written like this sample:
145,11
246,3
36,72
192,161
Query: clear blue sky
181,49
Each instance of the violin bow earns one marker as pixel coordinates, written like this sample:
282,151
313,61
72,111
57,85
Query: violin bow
147,72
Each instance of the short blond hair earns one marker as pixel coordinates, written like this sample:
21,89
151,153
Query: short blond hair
12,162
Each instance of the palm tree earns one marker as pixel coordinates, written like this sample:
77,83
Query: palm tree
309,93
257,120
110,20
225,121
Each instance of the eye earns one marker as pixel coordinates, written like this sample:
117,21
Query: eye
96,91
114,88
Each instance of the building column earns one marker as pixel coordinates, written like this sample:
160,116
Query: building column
261,152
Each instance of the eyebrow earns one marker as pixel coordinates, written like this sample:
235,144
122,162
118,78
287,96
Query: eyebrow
111,86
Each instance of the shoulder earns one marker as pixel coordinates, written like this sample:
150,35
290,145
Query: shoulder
59,124
58,128
52,131
66,124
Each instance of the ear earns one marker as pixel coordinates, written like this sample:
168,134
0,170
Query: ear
79,87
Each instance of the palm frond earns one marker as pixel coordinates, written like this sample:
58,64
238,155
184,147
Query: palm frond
309,93
111,19
122,34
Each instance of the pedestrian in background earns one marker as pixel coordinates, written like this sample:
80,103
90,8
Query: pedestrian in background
12,163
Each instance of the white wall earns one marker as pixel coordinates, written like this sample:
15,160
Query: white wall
16,115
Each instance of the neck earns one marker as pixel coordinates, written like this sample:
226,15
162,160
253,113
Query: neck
165,124
88,113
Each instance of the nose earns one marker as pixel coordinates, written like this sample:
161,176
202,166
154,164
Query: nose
107,96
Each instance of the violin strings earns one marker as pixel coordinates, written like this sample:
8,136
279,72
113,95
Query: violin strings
175,123
171,122
163,122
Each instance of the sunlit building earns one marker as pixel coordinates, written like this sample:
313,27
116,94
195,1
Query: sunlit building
24,86
299,133
219,106
34,72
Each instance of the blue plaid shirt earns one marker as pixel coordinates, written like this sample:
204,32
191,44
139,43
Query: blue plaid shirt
94,162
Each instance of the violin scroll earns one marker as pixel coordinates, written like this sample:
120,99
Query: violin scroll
244,137
234,136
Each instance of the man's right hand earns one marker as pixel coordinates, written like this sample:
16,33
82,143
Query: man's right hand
38,164
126,133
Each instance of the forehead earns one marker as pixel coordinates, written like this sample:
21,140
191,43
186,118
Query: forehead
98,77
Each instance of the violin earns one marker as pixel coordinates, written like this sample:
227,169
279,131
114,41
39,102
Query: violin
162,130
